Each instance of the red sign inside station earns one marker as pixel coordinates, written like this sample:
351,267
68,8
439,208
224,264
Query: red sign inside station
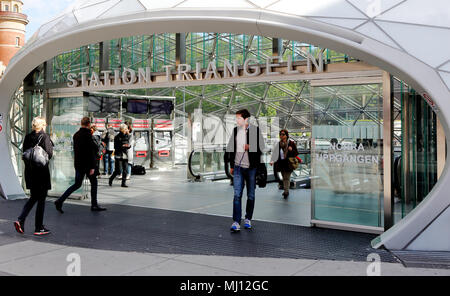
115,122
163,124
100,123
141,124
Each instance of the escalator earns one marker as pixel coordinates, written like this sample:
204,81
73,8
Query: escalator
210,164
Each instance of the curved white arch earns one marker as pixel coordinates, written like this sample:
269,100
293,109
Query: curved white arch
421,76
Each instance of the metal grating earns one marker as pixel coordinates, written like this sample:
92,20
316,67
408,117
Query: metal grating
424,259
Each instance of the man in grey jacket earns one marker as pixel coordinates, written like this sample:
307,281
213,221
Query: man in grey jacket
244,152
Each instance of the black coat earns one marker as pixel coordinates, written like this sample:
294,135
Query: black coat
283,164
99,144
38,178
85,150
256,143
120,140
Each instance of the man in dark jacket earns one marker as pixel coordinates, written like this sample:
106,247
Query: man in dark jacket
85,160
244,152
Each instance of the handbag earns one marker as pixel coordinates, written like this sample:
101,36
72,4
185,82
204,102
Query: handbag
36,155
293,163
261,175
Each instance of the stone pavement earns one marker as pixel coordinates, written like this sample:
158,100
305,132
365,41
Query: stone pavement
129,240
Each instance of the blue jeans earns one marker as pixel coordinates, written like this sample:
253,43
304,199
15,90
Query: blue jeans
128,169
79,177
243,177
108,163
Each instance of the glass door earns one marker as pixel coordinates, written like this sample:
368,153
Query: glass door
347,155
64,123
417,162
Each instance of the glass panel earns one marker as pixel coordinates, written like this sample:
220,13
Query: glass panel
263,3
347,154
446,77
436,14
374,8
420,35
374,32
445,67
347,23
123,8
415,165
155,4
331,8
67,22
92,11
67,114
204,161
209,3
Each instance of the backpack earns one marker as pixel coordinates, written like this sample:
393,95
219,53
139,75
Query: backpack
137,170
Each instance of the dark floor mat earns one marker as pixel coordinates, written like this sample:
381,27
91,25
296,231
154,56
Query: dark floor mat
137,229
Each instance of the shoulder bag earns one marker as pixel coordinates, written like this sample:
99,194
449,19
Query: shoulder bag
36,155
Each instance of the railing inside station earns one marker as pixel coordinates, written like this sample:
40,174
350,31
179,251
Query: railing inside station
209,164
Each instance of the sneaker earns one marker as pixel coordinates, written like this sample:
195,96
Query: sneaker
247,224
42,231
128,177
19,227
235,227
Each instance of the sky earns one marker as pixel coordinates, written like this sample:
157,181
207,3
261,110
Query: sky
41,11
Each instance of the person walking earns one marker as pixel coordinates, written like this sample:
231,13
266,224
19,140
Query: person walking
243,153
85,151
130,151
121,146
281,153
96,136
37,179
108,159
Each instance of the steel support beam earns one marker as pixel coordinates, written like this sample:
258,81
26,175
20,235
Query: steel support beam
180,48
387,151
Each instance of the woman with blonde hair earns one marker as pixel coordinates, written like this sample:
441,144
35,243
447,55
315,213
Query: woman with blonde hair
121,146
37,178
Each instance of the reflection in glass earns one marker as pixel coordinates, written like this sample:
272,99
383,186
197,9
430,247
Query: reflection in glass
67,114
347,155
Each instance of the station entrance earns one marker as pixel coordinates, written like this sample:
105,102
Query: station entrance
337,109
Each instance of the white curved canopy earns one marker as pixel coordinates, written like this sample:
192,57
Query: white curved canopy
386,21
408,38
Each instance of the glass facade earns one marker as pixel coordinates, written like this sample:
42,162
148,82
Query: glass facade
156,51
64,123
347,155
415,153
338,128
